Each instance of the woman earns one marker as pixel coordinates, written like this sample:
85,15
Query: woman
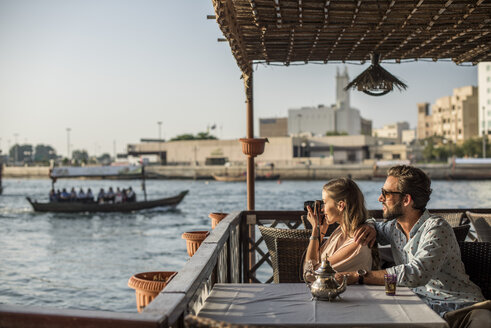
343,204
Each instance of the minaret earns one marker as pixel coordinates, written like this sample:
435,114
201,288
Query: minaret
342,96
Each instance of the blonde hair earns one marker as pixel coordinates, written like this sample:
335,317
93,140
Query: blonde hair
355,212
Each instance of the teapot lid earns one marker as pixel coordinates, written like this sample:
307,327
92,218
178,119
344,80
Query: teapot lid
325,269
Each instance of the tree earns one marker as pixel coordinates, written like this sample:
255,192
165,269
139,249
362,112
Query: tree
104,159
205,136
21,153
199,136
336,133
80,156
472,147
44,153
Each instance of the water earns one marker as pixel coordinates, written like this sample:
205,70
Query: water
84,261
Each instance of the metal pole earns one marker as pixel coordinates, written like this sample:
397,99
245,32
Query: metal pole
16,148
299,130
68,143
160,141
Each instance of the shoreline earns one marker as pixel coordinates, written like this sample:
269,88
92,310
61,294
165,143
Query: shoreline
298,172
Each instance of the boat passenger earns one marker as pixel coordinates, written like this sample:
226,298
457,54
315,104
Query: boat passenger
52,196
425,249
101,196
89,196
109,197
131,195
81,197
343,204
58,195
65,196
125,195
73,195
118,197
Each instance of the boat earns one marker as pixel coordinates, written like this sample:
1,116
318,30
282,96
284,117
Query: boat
239,178
77,207
103,172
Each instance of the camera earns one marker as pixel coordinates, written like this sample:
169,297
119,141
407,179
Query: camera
312,204
315,203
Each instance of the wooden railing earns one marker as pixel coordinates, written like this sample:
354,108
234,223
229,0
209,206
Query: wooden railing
230,254
218,259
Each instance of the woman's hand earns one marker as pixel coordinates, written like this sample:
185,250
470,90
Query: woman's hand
314,218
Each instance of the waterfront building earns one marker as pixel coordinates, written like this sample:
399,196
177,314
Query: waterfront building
337,118
484,102
425,126
392,131
408,136
282,151
453,117
273,127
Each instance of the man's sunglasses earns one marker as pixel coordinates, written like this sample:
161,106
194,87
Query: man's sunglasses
386,192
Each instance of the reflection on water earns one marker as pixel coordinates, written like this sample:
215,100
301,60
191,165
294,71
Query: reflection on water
84,261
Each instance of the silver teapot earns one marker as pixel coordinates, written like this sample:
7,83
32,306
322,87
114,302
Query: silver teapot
325,286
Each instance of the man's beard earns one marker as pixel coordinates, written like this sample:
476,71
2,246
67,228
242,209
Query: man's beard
394,212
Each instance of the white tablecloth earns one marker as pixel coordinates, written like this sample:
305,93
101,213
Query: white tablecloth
291,305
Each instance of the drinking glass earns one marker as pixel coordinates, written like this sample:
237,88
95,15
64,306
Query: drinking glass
390,284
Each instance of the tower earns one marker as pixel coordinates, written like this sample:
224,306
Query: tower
342,96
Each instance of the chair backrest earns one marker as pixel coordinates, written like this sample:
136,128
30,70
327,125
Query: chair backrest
477,261
482,225
289,259
454,218
285,247
461,231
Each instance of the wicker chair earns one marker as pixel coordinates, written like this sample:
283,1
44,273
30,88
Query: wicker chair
482,225
461,231
455,219
286,247
477,261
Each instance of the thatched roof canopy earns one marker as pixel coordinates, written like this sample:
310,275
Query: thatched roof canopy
287,31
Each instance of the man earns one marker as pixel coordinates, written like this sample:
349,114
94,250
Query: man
425,251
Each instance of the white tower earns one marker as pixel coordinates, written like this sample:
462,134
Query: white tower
342,96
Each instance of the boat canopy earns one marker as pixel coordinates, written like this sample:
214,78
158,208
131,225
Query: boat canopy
95,171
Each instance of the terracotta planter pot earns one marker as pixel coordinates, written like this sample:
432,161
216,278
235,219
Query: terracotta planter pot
194,240
216,218
147,286
253,146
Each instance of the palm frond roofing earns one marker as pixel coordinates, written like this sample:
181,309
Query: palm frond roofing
287,31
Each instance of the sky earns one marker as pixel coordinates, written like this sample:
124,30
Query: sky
110,70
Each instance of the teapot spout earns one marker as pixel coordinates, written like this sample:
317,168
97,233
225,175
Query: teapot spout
343,285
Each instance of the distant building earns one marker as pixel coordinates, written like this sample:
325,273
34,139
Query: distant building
453,117
340,117
392,131
484,102
425,125
318,150
366,127
408,136
273,127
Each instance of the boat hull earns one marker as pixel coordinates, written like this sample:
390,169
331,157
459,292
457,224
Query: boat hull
74,207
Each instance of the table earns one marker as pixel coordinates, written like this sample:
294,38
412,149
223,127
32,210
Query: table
291,305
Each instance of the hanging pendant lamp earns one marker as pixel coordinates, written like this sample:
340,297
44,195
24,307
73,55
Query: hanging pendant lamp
376,81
